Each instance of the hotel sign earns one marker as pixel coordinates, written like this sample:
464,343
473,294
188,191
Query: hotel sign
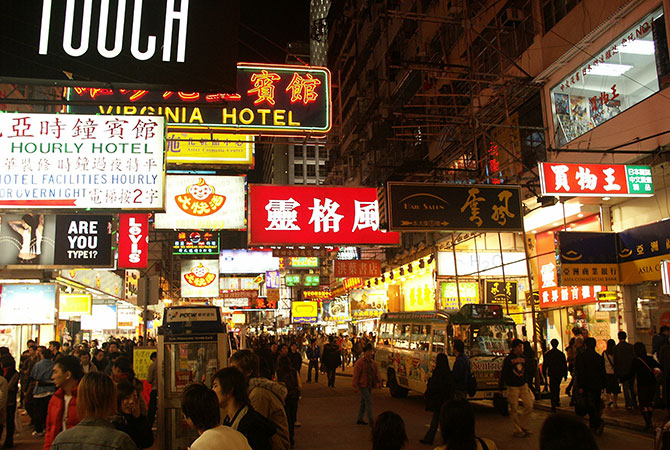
271,99
79,162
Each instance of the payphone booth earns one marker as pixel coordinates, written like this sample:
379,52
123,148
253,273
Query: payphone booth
192,346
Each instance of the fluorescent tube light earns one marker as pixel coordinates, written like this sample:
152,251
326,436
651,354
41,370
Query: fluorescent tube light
610,70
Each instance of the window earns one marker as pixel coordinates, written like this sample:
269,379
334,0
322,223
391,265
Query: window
297,152
489,340
298,171
401,336
311,152
438,340
323,172
554,10
311,170
386,333
628,70
420,338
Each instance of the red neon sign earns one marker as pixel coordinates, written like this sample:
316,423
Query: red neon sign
295,215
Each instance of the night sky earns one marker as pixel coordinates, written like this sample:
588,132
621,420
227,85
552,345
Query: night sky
281,21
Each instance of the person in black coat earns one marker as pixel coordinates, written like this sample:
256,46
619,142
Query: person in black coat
590,381
555,368
129,419
230,387
645,369
331,359
440,389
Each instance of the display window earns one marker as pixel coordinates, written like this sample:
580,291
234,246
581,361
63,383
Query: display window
628,70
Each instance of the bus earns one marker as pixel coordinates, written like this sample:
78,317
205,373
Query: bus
408,343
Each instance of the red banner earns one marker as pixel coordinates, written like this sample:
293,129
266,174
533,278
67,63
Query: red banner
299,215
365,268
133,241
595,180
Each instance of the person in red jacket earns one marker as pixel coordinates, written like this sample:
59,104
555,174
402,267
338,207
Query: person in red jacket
62,413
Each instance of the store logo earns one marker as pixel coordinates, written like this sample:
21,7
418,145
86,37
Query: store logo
200,200
199,276
134,234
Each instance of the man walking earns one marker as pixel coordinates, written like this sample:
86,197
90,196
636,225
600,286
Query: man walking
331,359
623,369
366,377
313,354
590,373
555,367
461,371
514,376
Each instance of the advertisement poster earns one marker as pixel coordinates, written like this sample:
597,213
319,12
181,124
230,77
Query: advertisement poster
78,162
200,278
84,241
367,303
24,304
74,305
336,310
27,239
203,202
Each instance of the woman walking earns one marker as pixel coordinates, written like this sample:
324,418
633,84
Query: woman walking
612,388
440,389
645,369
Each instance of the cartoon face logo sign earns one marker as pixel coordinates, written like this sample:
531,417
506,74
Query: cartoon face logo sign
200,200
199,276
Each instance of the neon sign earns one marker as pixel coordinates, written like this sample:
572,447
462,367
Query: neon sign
281,99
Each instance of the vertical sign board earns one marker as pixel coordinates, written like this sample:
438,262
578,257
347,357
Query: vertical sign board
177,45
286,215
133,241
595,180
200,278
77,162
203,202
84,241
439,207
665,276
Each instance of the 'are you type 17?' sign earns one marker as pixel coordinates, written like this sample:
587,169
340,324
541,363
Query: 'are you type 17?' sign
83,241
81,161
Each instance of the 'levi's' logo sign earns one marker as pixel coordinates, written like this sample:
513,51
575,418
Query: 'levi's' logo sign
133,245
77,36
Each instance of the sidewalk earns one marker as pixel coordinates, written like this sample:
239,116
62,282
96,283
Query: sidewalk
615,417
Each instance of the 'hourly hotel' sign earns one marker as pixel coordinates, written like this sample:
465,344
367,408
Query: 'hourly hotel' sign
78,162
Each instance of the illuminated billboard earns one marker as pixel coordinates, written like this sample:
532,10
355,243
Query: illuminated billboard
177,45
273,99
79,162
299,215
24,304
203,202
200,278
247,261
210,148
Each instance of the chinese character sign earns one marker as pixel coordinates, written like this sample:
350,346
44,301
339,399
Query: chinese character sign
203,202
273,99
587,258
550,293
315,215
365,268
193,242
272,279
595,180
210,148
200,278
433,207
367,303
78,162
498,291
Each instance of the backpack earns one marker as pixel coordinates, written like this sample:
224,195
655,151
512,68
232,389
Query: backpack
472,384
